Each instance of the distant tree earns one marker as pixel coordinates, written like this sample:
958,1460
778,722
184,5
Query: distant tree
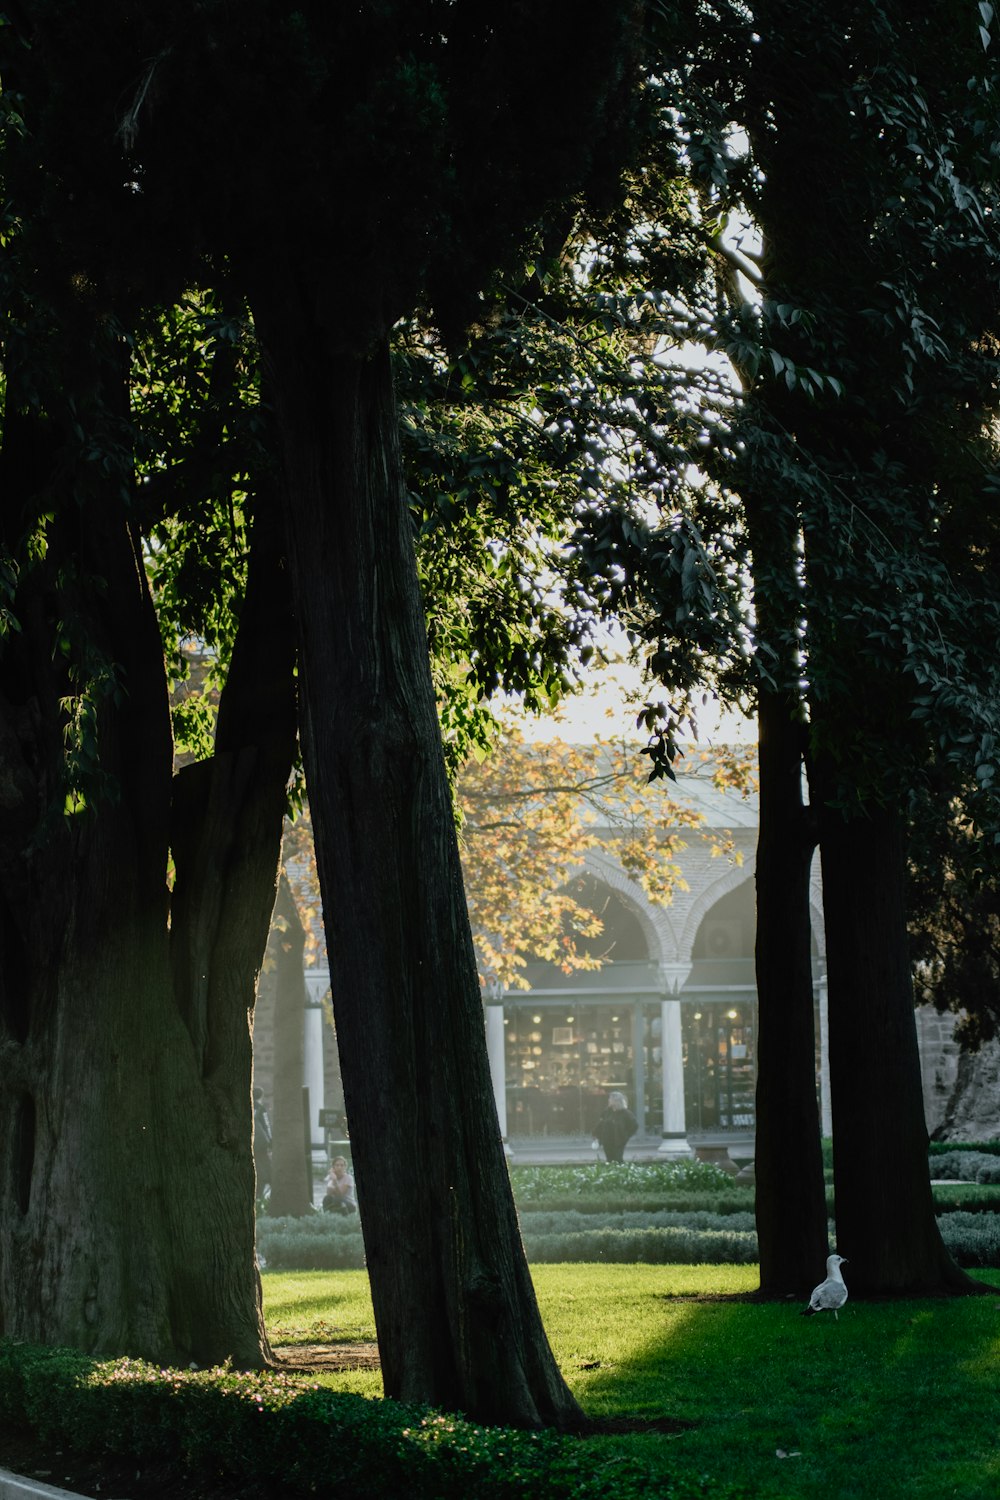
528,815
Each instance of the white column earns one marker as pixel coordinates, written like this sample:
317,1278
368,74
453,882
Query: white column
495,1046
313,1075
675,1141
825,1100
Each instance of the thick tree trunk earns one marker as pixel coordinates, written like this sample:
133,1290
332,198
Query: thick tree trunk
455,1310
885,1211
126,1174
291,1178
788,1162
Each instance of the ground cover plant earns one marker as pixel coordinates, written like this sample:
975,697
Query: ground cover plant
536,1184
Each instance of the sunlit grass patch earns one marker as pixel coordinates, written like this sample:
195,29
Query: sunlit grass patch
314,1307
894,1400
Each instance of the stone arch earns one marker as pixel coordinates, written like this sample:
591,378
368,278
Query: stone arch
733,877
607,871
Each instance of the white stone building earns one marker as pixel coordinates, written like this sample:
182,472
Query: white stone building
669,1019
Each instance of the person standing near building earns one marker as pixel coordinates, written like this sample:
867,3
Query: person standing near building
616,1127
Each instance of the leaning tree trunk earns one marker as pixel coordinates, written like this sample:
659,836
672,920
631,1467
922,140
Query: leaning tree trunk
126,1172
885,1209
458,1325
291,1173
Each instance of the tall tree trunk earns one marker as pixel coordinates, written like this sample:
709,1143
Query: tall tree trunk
788,1158
126,1174
291,1176
885,1210
788,1162
458,1325
818,246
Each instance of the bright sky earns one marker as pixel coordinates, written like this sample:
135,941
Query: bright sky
608,707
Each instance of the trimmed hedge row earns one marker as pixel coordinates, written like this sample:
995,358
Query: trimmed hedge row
970,1197
282,1436
973,1239
574,1222
967,1166
943,1148
324,1243
677,1246
730,1201
318,1242
595,1179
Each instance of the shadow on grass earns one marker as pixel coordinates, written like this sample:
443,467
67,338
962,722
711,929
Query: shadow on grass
891,1400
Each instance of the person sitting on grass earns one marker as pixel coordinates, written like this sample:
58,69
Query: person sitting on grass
339,1196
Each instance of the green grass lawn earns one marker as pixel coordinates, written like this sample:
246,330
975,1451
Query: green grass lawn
893,1400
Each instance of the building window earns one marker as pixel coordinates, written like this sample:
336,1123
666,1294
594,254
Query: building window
719,1064
561,1064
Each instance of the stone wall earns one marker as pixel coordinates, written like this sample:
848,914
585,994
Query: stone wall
961,1090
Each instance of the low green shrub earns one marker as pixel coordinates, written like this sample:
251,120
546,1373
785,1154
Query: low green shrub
969,1197
944,1148
291,1438
328,1245
320,1242
966,1166
571,1221
604,1221
973,1239
592,1179
677,1246
730,1201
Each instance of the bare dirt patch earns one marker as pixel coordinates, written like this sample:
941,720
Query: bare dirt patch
314,1359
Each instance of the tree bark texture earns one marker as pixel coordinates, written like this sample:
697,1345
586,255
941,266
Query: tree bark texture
126,1171
291,1175
885,1211
788,1159
455,1310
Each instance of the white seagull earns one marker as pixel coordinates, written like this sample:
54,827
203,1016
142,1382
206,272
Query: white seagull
831,1293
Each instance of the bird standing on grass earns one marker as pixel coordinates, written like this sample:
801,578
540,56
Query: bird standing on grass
831,1293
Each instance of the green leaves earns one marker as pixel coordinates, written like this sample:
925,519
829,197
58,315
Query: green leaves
986,11
802,377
